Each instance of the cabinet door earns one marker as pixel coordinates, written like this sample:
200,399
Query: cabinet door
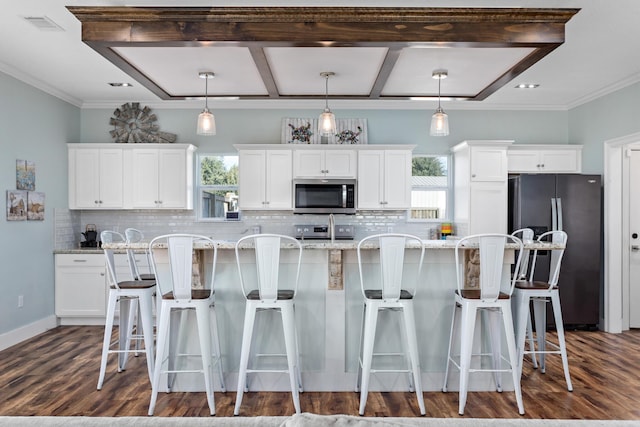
340,163
111,179
560,161
488,164
84,178
145,178
523,161
308,163
279,186
488,208
95,178
397,180
80,286
370,179
251,176
172,180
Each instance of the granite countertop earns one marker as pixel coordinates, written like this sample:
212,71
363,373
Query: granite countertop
306,244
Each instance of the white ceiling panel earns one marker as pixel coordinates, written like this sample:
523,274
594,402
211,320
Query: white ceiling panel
176,69
297,70
470,70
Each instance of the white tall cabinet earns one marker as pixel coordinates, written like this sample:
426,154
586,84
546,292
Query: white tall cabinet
384,179
95,177
480,186
265,179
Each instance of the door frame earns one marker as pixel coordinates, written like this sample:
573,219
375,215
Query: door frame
616,231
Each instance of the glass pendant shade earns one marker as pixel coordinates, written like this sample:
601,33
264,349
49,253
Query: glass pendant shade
439,123
327,120
327,123
206,123
439,120
206,120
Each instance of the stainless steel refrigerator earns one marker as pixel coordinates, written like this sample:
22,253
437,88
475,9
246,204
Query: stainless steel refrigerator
573,203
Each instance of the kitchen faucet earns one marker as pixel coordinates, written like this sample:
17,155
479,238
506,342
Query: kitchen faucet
332,228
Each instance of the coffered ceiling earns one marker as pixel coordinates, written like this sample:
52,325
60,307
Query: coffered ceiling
270,55
279,53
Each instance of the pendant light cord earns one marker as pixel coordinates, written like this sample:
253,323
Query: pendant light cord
439,81
326,92
206,93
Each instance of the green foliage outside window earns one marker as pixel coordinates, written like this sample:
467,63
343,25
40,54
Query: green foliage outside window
427,166
214,172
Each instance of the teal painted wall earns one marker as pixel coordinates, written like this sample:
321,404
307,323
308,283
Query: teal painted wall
235,126
608,117
33,126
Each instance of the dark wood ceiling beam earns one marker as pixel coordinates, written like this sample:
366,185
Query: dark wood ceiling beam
262,64
104,28
389,62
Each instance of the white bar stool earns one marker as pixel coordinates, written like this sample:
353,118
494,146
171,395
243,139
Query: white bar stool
267,294
178,295
480,291
540,293
390,275
126,294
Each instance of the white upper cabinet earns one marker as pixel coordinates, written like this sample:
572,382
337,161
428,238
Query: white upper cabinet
162,178
265,179
480,186
131,176
384,179
95,177
526,158
488,163
324,163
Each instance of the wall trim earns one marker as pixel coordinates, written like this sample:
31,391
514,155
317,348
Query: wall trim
614,245
23,333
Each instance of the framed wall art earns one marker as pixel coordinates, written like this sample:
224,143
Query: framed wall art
16,205
305,131
35,206
25,175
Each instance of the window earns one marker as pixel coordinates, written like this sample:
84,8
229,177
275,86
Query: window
429,187
217,185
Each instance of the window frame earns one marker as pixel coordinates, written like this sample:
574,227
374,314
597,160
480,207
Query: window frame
200,187
448,190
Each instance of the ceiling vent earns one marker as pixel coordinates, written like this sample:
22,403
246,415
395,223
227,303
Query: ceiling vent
43,23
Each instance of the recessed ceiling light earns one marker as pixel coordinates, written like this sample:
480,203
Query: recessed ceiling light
121,84
527,86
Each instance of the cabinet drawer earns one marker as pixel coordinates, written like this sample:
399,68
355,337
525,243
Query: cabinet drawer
75,260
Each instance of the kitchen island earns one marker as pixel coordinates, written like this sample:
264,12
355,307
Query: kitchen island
329,307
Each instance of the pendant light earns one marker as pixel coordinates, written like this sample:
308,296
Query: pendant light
206,120
439,120
327,120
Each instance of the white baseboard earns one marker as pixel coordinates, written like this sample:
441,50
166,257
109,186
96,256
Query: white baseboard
23,333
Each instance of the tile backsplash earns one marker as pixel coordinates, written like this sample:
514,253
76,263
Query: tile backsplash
70,223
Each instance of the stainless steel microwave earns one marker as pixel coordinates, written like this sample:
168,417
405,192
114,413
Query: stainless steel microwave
320,196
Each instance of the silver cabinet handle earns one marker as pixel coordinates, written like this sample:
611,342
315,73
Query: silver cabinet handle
635,248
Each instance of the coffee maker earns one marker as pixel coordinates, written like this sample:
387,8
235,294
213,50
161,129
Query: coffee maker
90,237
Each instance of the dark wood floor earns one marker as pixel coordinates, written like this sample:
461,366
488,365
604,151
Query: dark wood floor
56,373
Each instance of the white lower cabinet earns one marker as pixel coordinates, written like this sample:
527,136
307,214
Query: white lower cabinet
80,287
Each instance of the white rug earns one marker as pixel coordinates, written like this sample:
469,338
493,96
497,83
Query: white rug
302,420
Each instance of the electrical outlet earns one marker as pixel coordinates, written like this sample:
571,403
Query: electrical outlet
20,301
